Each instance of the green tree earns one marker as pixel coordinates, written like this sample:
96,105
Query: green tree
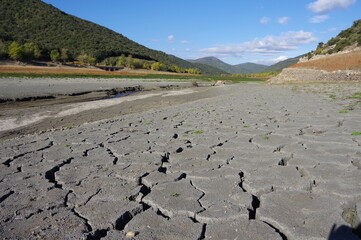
54,55
31,51
64,54
86,59
16,51
121,61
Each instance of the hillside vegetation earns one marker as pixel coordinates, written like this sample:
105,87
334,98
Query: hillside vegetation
45,32
346,38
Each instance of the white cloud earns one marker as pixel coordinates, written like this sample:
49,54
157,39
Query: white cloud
268,45
184,42
283,20
324,6
170,38
319,18
264,20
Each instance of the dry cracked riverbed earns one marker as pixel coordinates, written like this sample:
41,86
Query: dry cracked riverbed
265,162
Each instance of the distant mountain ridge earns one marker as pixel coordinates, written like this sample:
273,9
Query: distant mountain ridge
245,67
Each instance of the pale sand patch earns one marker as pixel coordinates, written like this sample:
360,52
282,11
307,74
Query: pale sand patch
75,108
178,92
12,123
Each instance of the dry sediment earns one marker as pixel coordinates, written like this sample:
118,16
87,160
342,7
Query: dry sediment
258,162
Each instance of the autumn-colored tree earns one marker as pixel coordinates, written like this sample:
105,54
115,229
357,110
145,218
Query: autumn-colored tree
157,66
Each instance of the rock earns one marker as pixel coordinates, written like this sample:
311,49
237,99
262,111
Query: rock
219,83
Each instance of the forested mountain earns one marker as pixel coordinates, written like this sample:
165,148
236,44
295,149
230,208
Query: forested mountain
283,64
215,62
250,68
239,68
33,21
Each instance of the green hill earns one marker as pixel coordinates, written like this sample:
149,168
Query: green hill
240,68
34,21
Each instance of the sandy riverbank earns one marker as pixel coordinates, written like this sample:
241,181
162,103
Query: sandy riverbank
251,161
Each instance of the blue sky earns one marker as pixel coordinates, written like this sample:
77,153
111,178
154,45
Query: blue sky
259,31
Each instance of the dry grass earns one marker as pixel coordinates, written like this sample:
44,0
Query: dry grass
346,61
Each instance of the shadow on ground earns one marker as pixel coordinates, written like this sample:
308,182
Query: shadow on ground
344,232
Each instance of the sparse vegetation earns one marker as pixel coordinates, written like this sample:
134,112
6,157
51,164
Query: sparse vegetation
197,132
356,133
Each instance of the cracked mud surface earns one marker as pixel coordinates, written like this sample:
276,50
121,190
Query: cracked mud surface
261,162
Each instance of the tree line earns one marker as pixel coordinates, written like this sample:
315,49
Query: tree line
31,51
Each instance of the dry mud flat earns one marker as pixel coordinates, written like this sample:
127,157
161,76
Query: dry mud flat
262,162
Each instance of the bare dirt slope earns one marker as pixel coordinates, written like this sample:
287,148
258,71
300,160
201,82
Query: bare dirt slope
343,61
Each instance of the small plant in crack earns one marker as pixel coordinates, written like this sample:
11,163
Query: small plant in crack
147,123
125,197
246,126
343,111
67,145
356,133
266,138
175,195
197,132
